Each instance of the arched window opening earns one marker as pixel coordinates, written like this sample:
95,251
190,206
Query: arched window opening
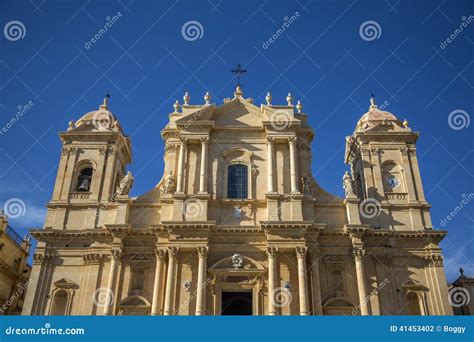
84,180
237,181
413,304
59,307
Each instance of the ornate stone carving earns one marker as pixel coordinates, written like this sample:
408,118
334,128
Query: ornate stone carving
171,148
112,150
434,260
116,254
202,251
160,253
169,185
359,253
37,258
348,185
125,185
102,150
301,251
68,150
92,258
173,251
237,261
138,259
272,252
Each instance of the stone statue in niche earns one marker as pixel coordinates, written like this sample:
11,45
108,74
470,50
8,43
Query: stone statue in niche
305,184
125,185
348,185
169,185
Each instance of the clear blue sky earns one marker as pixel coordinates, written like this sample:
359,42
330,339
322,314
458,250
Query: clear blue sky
146,64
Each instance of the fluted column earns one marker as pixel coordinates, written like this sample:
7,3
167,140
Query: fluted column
180,178
271,254
317,305
109,301
270,180
302,287
203,172
294,181
201,285
172,254
362,287
160,257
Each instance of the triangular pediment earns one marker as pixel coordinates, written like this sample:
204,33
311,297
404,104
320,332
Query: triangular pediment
65,283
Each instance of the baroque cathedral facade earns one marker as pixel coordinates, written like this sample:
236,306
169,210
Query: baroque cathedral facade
237,225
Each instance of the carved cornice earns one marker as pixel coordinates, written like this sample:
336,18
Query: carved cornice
434,260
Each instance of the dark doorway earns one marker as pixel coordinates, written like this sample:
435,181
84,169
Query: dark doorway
237,303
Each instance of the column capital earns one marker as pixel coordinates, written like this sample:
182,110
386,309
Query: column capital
434,260
271,252
116,253
183,141
292,140
160,253
202,251
204,140
359,253
270,140
173,251
301,251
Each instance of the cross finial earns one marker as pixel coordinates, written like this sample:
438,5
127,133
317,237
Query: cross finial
239,72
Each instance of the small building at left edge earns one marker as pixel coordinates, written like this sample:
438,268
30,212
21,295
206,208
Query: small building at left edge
14,268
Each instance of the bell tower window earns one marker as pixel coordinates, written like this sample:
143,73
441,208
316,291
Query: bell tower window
237,181
84,180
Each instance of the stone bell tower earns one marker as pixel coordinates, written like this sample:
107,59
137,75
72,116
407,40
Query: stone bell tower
385,181
94,155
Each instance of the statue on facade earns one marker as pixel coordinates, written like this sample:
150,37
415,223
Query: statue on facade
348,185
169,185
305,184
125,185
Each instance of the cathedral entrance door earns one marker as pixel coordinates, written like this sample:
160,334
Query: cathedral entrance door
237,303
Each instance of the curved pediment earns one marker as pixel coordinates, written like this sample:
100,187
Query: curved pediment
237,262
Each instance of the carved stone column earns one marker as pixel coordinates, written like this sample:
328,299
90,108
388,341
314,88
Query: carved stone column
362,287
293,178
180,178
201,285
317,305
160,257
114,259
203,172
172,254
270,164
302,288
271,254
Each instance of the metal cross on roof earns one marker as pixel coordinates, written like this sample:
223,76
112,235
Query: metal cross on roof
239,72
